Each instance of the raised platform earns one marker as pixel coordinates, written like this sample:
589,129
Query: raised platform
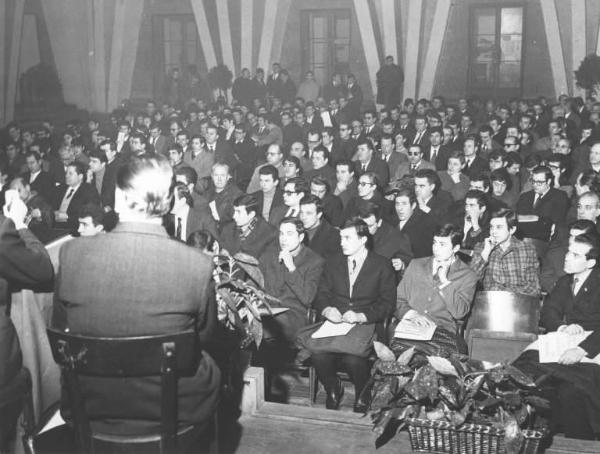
269,427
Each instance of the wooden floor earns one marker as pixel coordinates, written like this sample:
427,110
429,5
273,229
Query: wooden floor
297,427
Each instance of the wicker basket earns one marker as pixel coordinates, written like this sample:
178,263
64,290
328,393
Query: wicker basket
442,437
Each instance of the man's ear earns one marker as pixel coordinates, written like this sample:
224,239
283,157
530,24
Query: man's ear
591,263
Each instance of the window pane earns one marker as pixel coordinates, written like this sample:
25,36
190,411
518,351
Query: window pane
510,47
319,51
485,23
172,30
511,20
342,27
318,28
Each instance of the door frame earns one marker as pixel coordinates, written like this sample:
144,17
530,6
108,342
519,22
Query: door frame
471,56
305,16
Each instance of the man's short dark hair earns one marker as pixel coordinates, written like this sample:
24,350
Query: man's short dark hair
366,142
449,230
111,143
183,191
361,228
322,149
408,192
189,173
35,155
201,239
297,223
585,225
432,178
320,181
508,214
80,168
503,176
366,209
92,210
546,171
593,242
347,163
269,170
97,154
300,185
480,196
248,201
311,199
484,179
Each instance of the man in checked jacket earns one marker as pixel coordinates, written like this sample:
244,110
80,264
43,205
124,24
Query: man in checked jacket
503,261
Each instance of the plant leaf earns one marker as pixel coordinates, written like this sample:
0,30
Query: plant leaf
424,384
520,377
442,365
383,352
256,330
513,437
406,356
250,265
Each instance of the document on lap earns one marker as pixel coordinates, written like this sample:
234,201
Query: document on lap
330,329
408,329
552,345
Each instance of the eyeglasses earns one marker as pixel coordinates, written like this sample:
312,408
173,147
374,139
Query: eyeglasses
365,183
538,182
509,144
414,153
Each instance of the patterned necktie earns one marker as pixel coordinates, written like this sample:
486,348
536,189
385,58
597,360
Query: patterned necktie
178,232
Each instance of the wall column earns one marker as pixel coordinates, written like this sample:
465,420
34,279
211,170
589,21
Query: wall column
557,60
413,42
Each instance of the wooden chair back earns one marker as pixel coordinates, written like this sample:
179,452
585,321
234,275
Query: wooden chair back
169,356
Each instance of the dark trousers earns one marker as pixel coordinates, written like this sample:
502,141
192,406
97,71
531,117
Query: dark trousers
327,365
570,412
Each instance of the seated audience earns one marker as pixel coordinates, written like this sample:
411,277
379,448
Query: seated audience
504,262
438,290
452,179
416,162
369,191
39,211
571,308
502,189
72,196
346,187
356,287
388,241
221,194
366,161
430,197
333,209
541,207
275,158
249,232
91,220
157,303
320,166
184,218
320,235
418,225
293,191
270,195
476,221
39,180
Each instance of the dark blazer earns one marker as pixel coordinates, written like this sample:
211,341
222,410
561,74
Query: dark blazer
326,172
333,210
391,243
109,183
92,298
86,193
199,218
296,290
245,153
562,308
374,291
375,165
478,166
254,244
342,149
224,201
260,199
419,228
350,192
394,161
440,205
551,209
388,212
43,184
326,240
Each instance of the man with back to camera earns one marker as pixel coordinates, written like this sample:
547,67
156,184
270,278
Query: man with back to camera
158,302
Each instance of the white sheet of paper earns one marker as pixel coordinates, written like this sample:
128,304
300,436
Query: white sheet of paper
213,210
554,344
407,329
330,329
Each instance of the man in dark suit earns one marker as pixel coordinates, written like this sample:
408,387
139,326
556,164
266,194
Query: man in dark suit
270,195
292,272
219,148
320,166
92,291
357,287
572,308
24,263
109,181
157,140
388,155
419,226
246,154
541,207
39,180
474,164
249,232
388,241
333,209
73,195
186,218
323,238
430,196
345,146
368,162
346,187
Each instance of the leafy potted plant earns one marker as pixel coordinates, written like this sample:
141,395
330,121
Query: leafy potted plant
588,74
220,79
455,405
241,299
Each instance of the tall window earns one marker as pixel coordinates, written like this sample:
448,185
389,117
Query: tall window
496,51
326,43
